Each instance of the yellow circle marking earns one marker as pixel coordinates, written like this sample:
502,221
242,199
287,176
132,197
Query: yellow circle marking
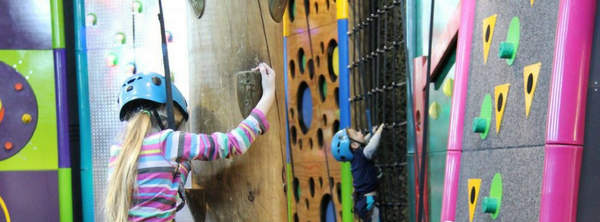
3,205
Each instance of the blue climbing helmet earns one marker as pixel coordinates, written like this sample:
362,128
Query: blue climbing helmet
147,90
340,146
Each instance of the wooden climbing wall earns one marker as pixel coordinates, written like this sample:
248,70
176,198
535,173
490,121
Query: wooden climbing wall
233,36
310,28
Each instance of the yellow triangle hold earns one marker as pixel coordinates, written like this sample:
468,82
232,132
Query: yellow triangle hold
532,2
473,192
488,32
501,92
530,77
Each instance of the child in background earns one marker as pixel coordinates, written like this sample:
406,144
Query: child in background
152,163
353,146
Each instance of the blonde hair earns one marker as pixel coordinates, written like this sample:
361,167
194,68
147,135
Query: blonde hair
122,182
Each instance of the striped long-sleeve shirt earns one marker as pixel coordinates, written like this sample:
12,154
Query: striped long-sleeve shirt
156,198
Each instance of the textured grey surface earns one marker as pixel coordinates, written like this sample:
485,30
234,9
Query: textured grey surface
538,27
521,170
590,178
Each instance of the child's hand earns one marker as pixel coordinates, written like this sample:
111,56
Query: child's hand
268,79
379,129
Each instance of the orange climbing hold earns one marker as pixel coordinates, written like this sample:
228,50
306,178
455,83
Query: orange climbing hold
8,145
18,86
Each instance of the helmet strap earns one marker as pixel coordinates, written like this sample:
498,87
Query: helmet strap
158,120
360,144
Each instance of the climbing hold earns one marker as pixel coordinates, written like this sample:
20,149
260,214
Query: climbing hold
120,38
481,124
137,7
490,205
501,93
91,20
530,77
18,86
336,61
8,145
249,90
473,192
26,118
447,88
1,112
493,203
532,2
277,9
131,68
198,7
111,60
434,110
488,33
508,49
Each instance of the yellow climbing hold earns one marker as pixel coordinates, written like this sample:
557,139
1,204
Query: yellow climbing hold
530,77
26,118
501,92
448,85
434,110
488,33
473,192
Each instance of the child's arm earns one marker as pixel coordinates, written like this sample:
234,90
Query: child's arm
373,143
180,147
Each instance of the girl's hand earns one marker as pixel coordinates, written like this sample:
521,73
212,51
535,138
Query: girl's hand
268,79
268,86
379,128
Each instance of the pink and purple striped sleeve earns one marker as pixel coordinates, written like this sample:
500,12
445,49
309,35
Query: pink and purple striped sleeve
180,147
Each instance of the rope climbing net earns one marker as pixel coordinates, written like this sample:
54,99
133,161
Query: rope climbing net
378,84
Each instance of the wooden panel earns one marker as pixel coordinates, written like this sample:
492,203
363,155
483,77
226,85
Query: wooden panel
321,12
230,37
310,161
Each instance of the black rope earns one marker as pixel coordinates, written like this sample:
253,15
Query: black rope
165,52
425,118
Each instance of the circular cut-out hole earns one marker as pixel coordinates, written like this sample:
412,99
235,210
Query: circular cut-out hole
292,113
322,88
332,59
336,126
296,217
300,144
292,69
310,143
296,189
529,83
321,182
311,68
472,196
307,7
316,7
499,102
293,134
305,106
324,120
320,138
311,186
327,3
301,60
487,34
292,10
307,205
336,95
327,209
338,188
418,121
318,61
322,48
